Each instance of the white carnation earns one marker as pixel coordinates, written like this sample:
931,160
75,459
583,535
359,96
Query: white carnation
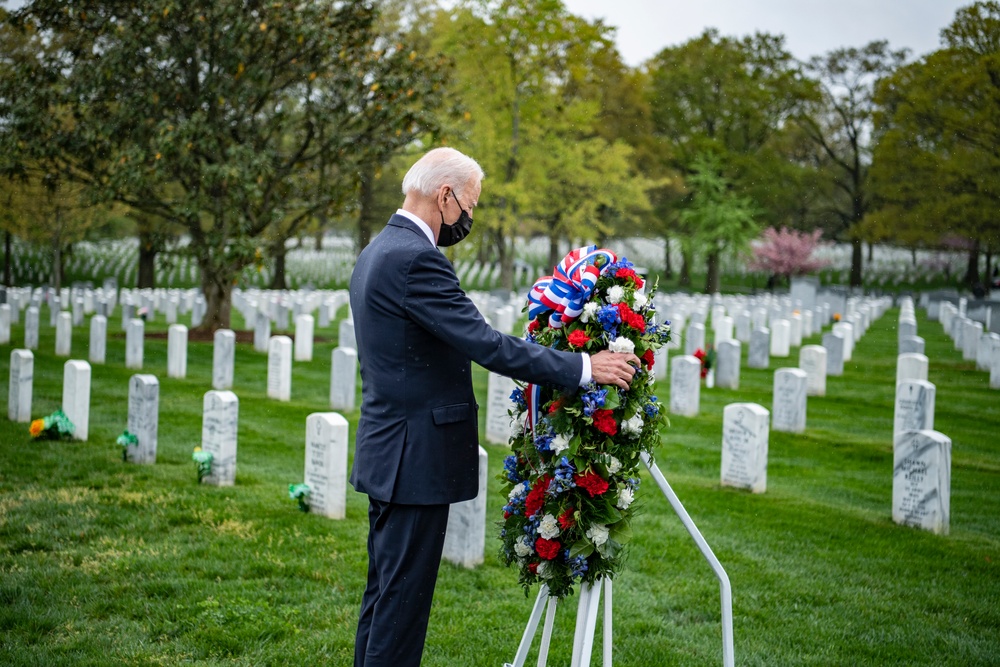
523,548
598,534
625,498
560,443
633,426
616,293
639,300
518,490
548,527
544,569
589,312
622,344
614,465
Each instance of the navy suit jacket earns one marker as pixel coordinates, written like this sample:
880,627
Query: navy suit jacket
417,334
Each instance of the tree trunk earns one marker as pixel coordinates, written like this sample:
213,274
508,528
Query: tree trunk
685,277
279,252
871,251
857,257
57,259
7,277
217,286
972,269
146,276
319,234
506,256
668,271
366,198
712,273
553,246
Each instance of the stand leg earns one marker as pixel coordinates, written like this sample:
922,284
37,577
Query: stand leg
706,551
550,616
582,659
607,622
529,632
581,620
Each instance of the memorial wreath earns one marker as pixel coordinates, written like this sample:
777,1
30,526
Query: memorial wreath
571,479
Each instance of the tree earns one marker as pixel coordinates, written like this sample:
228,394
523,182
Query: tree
727,97
840,124
787,252
718,219
937,165
215,115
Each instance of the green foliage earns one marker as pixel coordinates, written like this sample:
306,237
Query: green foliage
937,162
226,118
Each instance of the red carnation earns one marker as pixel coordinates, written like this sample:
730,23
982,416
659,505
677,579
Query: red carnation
533,326
547,549
604,421
533,568
637,322
624,311
626,272
649,358
556,404
592,483
536,497
566,520
578,338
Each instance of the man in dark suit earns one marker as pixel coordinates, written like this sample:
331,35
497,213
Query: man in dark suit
416,448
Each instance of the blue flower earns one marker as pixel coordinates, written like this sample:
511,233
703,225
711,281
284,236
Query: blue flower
651,409
562,478
622,263
592,400
518,397
609,317
577,566
510,467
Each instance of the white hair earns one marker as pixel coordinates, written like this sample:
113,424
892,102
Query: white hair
441,166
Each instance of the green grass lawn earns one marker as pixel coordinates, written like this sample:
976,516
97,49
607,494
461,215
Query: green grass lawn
103,562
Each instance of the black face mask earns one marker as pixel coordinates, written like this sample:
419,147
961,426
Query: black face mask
451,234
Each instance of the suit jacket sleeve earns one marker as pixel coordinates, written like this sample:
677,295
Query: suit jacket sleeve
435,300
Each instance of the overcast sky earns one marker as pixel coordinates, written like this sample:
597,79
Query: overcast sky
810,27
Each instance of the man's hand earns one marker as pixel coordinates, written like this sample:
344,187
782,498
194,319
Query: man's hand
615,368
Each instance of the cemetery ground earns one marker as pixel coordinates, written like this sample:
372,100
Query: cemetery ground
103,562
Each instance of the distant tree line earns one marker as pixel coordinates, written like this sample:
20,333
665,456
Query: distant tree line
241,125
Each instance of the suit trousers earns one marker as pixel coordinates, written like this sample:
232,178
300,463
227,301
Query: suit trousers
404,552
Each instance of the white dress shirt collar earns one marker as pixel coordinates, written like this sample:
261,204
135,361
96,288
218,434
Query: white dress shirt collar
419,223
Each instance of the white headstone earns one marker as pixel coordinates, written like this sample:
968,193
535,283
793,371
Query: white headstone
498,405
788,412
995,368
346,334
744,446
970,339
98,339
304,326
780,338
743,326
177,344
984,351
846,329
685,386
134,334
465,538
727,364
143,417
261,332
223,359
31,328
5,314
279,368
759,354
911,366
76,396
660,362
326,464
834,344
812,359
921,480
218,436
695,338
795,330
911,344
22,371
723,329
64,334
343,378
914,409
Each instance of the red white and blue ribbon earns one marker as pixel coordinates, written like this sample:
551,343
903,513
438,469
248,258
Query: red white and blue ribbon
565,292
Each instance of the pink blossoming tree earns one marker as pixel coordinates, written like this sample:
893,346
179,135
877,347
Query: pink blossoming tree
787,253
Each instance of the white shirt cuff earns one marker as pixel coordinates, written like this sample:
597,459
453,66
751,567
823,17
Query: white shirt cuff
587,374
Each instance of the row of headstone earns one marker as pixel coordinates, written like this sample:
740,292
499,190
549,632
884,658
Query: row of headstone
976,344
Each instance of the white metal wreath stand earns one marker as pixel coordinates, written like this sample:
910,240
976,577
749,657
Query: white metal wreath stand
590,599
